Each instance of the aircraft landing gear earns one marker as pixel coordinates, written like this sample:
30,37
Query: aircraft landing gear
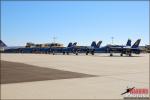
111,54
63,53
130,54
53,52
87,53
76,52
121,54
67,53
92,52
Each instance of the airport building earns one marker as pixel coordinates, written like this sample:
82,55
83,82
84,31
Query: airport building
147,47
45,45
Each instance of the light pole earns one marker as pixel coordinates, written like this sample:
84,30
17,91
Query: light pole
112,39
54,39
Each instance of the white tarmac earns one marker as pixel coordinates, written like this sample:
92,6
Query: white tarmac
115,74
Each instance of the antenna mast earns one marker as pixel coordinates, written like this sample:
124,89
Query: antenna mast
112,38
54,39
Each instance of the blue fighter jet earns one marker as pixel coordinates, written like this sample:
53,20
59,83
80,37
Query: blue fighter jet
128,49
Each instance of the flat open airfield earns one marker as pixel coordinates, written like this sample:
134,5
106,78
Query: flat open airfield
43,76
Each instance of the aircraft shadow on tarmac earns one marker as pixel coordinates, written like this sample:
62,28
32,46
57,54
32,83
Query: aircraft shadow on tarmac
12,72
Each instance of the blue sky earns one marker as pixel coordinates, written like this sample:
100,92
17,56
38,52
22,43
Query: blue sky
74,21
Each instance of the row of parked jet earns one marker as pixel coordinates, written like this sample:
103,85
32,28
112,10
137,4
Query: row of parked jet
127,49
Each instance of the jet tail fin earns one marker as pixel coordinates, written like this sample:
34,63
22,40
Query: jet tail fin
128,42
136,44
2,44
93,44
69,45
74,44
99,44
